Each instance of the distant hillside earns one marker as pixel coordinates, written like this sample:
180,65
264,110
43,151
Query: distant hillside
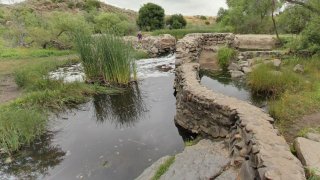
73,6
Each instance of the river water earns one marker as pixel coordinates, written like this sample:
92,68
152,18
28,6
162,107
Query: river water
112,136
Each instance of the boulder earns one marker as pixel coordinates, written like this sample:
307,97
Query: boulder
277,62
298,68
247,70
154,45
308,153
313,136
236,74
234,67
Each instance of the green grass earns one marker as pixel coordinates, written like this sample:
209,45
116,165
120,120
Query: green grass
24,119
139,54
180,33
293,95
266,79
19,53
163,168
106,58
225,55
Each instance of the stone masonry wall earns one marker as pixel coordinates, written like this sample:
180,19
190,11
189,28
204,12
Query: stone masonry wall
254,143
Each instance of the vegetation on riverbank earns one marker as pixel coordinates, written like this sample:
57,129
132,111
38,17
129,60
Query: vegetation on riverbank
293,94
106,58
225,56
163,168
24,119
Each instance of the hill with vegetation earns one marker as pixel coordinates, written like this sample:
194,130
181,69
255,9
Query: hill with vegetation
48,23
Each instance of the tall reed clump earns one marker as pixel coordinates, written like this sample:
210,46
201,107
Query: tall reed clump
106,58
225,55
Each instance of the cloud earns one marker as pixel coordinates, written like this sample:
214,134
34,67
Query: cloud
186,7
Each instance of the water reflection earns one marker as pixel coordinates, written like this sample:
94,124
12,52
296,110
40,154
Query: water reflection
223,83
33,161
123,110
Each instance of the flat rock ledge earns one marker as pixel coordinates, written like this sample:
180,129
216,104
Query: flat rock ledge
308,151
253,142
205,160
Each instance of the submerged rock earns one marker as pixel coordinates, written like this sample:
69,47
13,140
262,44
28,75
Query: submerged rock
308,153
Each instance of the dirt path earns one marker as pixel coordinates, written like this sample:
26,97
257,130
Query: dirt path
309,121
9,90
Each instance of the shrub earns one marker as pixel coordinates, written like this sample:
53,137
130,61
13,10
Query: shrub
207,23
176,21
225,55
203,18
91,5
114,23
151,17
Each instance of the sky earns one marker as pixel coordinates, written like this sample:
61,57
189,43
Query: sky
185,7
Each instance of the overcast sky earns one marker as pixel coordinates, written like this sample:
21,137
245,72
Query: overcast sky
185,7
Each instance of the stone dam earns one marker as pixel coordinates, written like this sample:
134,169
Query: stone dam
244,144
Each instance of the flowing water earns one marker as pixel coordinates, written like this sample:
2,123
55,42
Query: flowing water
112,136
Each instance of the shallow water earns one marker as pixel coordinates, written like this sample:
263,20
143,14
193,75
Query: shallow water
113,137
223,83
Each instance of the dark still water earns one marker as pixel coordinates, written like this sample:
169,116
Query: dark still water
111,137
222,82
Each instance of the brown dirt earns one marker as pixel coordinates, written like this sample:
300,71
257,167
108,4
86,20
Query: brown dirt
9,90
209,60
309,121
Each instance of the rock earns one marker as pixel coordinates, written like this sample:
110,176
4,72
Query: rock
240,58
243,63
236,74
298,68
153,45
151,171
313,136
247,70
204,160
308,153
277,62
8,160
234,67
251,62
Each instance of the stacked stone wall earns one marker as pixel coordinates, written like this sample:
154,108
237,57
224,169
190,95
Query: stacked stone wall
254,144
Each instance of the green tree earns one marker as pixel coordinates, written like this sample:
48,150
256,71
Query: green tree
176,21
151,17
114,23
294,19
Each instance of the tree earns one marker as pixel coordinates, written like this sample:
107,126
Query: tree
294,19
151,17
114,23
312,5
176,21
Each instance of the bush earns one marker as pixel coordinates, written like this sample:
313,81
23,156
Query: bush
176,21
151,17
225,55
114,23
203,18
311,36
207,23
91,5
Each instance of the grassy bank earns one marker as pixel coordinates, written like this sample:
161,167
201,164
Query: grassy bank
22,53
24,119
180,33
292,95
